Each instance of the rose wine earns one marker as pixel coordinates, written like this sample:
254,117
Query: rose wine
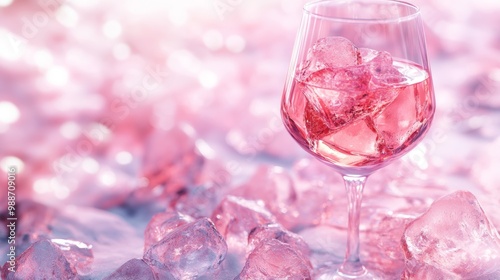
359,116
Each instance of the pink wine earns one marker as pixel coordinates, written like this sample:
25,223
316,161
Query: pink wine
362,115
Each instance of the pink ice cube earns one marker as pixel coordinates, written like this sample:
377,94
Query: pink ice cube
349,79
367,55
339,96
454,237
331,52
78,254
42,260
381,66
236,217
273,259
399,117
275,231
346,86
383,72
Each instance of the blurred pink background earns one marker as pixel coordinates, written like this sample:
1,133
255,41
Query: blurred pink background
84,83
99,100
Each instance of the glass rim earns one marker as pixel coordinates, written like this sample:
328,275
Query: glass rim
307,9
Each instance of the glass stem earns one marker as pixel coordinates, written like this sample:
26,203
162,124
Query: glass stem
352,266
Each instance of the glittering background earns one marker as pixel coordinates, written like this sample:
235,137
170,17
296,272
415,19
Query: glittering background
133,107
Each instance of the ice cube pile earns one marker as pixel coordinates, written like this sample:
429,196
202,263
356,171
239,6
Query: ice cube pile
147,138
345,84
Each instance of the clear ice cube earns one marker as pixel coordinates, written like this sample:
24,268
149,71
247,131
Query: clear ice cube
190,251
162,224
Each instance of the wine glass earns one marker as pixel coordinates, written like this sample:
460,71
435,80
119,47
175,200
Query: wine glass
358,95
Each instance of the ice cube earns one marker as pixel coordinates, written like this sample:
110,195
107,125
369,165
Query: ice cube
132,270
349,80
358,138
331,52
273,259
315,122
338,97
367,55
78,254
42,260
381,66
383,231
275,231
454,236
235,217
398,119
383,72
190,251
161,224
346,93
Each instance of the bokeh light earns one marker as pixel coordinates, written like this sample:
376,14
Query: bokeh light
9,113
